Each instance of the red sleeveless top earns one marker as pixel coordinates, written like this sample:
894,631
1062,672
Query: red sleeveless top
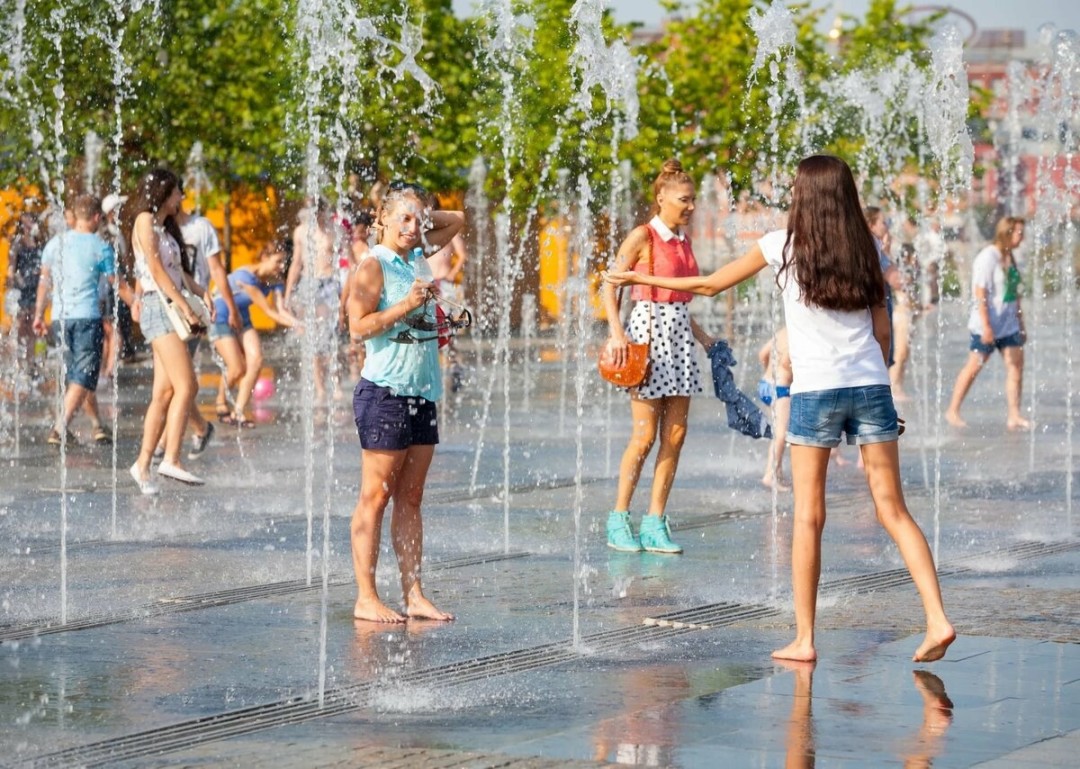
671,259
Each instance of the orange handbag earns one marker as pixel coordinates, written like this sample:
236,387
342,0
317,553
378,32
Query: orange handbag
636,368
634,371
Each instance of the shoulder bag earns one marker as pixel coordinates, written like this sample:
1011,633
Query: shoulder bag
636,368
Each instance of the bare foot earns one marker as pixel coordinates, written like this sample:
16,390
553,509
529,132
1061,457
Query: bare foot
1018,424
935,643
772,483
801,667
419,607
797,651
932,690
953,418
839,459
374,610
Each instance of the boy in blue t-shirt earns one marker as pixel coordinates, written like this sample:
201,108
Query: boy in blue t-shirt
72,264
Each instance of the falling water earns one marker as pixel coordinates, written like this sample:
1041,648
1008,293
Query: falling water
613,69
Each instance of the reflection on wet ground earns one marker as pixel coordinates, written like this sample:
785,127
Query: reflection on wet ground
194,635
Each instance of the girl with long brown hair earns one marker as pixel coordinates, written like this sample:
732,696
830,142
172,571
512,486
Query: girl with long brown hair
829,274
149,227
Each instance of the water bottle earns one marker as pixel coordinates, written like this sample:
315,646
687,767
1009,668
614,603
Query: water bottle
421,268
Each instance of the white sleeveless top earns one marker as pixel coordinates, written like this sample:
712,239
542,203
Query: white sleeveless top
169,251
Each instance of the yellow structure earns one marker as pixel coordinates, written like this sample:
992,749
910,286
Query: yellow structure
245,223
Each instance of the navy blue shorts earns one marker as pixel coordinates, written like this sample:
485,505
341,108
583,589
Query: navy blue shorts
387,422
83,342
864,414
1012,340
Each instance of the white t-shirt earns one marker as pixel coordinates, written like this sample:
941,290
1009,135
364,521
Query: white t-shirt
987,273
829,349
199,233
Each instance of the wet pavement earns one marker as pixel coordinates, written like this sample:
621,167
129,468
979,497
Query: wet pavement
197,630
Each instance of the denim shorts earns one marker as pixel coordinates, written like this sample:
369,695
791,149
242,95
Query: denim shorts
865,414
222,330
83,342
1012,340
387,422
153,321
768,391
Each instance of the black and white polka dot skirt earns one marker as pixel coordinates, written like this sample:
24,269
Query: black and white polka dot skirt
673,351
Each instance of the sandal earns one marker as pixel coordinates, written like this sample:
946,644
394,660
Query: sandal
235,421
102,437
226,418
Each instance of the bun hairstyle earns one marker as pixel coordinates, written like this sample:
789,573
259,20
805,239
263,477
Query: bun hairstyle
671,173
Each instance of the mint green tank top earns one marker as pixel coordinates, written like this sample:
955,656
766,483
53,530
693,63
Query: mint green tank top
407,369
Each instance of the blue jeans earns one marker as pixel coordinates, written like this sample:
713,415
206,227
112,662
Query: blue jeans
84,339
865,414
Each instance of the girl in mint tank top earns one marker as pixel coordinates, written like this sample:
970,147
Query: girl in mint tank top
829,276
394,401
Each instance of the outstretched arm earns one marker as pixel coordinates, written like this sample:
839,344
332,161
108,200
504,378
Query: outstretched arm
280,316
731,274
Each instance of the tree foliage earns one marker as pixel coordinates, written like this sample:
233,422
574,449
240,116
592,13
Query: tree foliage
234,76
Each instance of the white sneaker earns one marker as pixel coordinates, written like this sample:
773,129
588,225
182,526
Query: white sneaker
169,470
147,487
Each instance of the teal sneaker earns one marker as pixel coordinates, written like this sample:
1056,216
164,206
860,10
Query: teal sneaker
656,535
620,534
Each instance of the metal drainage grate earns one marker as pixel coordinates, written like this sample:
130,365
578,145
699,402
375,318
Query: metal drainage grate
336,701
177,604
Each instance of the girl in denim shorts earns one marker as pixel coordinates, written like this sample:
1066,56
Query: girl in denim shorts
829,275
394,402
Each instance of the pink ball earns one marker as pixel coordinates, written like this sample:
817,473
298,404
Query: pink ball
264,389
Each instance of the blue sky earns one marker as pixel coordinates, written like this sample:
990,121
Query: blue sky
1024,14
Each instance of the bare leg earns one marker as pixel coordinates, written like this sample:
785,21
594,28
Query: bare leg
1014,381
964,380
90,406
809,465
228,347
644,416
937,717
673,416
319,368
108,348
901,350
407,532
799,745
253,361
883,476
774,466
154,421
177,360
74,397
379,472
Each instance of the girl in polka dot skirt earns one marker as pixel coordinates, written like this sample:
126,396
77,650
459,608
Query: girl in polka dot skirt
660,317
